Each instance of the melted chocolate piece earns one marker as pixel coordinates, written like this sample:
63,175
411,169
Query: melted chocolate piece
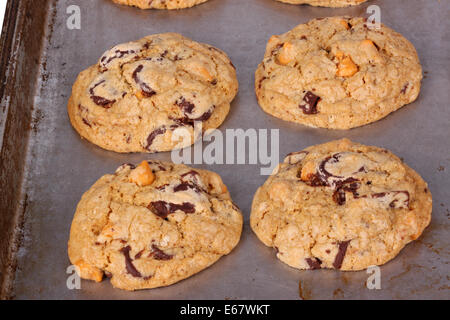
350,185
397,197
100,101
186,106
87,123
277,48
185,186
405,87
190,173
314,180
309,103
342,250
162,208
152,136
261,81
146,90
339,197
118,54
131,269
314,263
158,254
207,115
138,255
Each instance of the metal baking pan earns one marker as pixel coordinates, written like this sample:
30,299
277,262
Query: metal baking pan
45,167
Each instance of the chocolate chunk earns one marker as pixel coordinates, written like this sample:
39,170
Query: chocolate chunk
309,103
138,255
339,197
394,199
146,90
314,180
277,48
131,269
405,87
261,81
186,106
186,186
207,115
87,123
132,166
348,185
100,101
158,254
152,136
117,55
190,173
314,263
162,208
342,250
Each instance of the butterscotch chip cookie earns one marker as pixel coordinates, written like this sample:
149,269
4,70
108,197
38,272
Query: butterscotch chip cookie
341,205
326,3
160,4
337,73
145,96
153,225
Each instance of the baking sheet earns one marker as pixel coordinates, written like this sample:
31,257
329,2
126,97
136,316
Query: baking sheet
60,167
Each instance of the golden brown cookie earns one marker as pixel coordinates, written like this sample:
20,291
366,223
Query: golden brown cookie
341,205
146,95
153,225
337,73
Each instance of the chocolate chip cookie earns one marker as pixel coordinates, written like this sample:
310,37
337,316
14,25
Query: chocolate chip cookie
337,73
153,225
326,3
147,95
341,205
160,4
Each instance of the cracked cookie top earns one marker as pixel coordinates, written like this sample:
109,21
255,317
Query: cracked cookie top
160,4
341,205
153,225
337,73
326,3
146,95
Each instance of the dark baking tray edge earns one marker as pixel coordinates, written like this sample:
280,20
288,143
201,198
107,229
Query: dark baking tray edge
20,52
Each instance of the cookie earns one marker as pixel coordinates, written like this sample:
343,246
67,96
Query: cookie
160,4
153,225
341,205
145,96
326,3
337,73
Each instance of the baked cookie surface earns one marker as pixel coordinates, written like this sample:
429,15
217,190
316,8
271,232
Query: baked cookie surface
153,225
341,205
326,3
145,96
337,73
160,4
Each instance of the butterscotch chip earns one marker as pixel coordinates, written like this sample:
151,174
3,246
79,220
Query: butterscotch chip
152,235
142,175
346,67
337,73
160,4
341,205
86,271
